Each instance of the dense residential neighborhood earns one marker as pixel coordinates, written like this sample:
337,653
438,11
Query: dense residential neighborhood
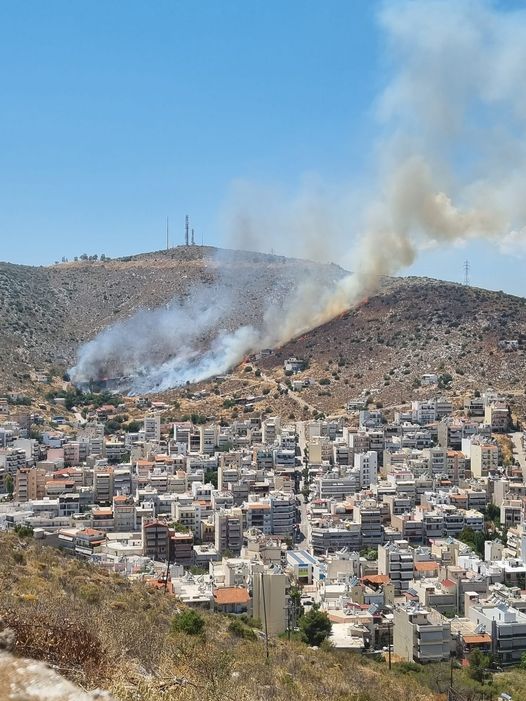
406,527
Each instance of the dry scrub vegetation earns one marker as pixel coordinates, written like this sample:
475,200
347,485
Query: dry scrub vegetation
100,630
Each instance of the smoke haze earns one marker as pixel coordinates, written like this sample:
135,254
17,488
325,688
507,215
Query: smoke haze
449,167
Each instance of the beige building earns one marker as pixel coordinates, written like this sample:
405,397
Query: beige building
30,484
270,599
497,416
484,457
421,635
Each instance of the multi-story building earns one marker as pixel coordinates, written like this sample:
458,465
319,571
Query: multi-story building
258,515
512,512
507,627
182,548
330,538
155,539
124,514
283,513
484,458
396,560
208,439
152,428
228,530
30,484
497,415
368,515
421,635
367,466
103,485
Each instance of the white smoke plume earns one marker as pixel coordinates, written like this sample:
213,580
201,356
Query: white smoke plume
450,167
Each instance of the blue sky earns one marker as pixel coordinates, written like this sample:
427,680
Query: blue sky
114,115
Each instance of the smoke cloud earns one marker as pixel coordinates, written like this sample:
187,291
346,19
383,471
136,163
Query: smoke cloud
449,167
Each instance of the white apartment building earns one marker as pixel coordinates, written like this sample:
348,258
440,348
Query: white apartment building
152,428
367,465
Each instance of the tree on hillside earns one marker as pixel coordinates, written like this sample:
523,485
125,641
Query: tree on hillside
189,622
479,664
315,627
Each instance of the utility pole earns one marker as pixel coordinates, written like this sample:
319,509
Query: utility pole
389,624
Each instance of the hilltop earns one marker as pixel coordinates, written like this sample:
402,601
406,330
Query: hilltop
379,350
46,313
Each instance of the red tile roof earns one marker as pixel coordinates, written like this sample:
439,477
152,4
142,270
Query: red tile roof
231,595
427,566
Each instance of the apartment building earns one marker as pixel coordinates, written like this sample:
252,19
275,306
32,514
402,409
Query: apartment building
367,466
484,457
152,428
155,539
421,635
396,560
507,627
124,514
497,415
30,484
228,530
331,538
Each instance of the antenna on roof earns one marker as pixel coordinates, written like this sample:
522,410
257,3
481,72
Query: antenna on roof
193,240
467,268
186,231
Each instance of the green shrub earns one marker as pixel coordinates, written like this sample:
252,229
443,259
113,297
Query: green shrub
189,622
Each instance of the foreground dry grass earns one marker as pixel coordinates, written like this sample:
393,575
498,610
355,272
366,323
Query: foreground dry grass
101,631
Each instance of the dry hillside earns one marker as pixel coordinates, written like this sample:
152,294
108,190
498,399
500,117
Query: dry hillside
410,327
102,631
380,350
47,312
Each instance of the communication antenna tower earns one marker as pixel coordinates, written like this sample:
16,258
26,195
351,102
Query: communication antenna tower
193,240
186,229
167,235
467,268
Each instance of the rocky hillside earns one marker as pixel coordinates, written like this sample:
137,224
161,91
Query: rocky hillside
46,313
379,352
410,327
